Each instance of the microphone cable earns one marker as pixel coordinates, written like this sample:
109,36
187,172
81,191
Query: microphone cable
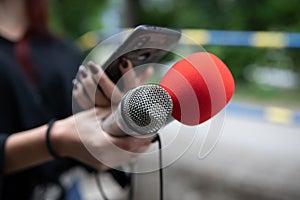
99,186
97,177
130,195
160,163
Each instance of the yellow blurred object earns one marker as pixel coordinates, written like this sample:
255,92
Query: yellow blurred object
279,115
197,35
268,39
89,40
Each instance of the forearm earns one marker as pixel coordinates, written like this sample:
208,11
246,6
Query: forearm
70,139
26,149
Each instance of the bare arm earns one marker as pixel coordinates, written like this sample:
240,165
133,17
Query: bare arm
80,137
26,149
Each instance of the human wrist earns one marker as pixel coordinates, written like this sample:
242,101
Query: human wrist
49,145
58,137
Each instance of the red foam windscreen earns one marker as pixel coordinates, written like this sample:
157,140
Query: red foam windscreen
200,85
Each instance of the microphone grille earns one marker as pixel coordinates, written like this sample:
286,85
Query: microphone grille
146,108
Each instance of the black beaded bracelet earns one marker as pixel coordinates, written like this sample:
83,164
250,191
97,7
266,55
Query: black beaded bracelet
48,143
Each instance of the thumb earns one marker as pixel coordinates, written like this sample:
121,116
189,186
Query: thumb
103,112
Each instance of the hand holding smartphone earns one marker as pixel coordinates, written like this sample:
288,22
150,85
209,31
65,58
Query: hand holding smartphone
145,45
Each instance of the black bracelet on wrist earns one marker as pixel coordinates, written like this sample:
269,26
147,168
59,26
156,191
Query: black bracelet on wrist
48,142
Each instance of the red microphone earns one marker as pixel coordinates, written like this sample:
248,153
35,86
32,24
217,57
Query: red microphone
195,89
200,85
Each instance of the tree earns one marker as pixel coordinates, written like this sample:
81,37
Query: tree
75,17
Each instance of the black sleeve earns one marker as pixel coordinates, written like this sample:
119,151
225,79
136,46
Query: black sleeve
3,138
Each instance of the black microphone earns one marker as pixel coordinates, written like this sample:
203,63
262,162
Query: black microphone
142,111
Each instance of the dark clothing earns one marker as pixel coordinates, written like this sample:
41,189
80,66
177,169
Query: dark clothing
24,106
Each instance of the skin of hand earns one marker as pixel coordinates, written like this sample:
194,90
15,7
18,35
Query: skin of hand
109,95
112,151
27,149
82,138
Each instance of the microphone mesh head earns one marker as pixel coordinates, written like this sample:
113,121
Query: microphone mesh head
146,108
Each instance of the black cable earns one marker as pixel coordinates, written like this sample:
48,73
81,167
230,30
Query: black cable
101,191
100,188
131,189
161,180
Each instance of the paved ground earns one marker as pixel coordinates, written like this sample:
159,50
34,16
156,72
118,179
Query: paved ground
254,159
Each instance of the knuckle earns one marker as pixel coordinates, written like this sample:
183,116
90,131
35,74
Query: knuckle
87,82
77,94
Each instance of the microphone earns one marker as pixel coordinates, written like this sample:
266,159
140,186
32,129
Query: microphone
195,89
141,112
200,86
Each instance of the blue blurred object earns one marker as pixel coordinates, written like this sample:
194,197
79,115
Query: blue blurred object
73,192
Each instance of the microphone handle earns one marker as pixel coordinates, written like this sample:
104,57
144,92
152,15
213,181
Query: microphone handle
111,127
114,121
115,125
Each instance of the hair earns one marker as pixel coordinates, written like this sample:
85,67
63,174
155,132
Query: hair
37,18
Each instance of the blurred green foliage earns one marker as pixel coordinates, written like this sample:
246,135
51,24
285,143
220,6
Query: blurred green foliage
75,17
255,15
225,14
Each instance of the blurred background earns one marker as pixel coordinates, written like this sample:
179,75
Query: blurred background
258,155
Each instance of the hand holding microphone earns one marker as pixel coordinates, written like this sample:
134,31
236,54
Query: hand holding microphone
193,90
101,148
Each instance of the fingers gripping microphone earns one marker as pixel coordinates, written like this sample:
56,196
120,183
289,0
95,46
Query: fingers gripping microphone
195,89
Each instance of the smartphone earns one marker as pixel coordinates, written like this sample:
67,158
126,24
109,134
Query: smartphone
145,44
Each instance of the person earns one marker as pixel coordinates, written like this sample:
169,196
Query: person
36,73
